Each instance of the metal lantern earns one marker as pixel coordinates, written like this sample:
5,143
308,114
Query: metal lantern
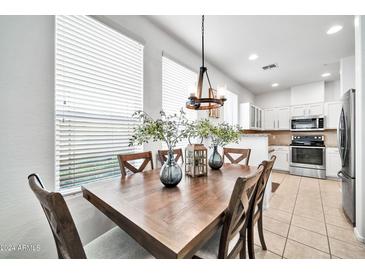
196,160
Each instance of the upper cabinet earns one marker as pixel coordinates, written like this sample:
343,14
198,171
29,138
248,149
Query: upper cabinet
307,110
251,116
332,112
277,118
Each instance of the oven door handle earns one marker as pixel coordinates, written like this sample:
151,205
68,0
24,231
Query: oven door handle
308,147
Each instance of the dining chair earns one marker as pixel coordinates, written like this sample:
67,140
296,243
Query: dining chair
115,243
244,154
230,240
125,159
256,214
163,153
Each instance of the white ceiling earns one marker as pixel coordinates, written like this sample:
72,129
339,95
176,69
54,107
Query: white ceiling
299,44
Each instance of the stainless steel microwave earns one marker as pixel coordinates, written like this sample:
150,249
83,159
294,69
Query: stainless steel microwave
308,123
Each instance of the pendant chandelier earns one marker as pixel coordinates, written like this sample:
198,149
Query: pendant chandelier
196,101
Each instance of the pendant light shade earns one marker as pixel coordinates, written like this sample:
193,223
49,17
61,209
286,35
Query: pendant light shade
196,101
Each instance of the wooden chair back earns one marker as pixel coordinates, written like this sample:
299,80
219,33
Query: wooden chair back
124,160
237,215
244,154
261,186
177,153
63,228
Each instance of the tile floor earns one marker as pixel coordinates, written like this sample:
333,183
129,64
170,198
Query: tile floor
305,220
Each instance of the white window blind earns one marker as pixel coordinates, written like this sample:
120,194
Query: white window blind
177,84
230,108
99,84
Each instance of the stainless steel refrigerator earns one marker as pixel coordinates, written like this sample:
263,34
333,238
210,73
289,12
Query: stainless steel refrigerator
346,146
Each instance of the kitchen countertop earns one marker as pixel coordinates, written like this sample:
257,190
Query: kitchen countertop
255,134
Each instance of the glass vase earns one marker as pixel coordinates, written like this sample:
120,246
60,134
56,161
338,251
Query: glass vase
215,159
170,174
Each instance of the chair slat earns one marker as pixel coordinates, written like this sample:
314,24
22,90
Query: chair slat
244,153
124,160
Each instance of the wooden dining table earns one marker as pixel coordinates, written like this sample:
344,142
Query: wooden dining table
168,222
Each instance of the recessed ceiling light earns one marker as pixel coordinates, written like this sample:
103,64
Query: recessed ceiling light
253,57
275,85
326,74
334,29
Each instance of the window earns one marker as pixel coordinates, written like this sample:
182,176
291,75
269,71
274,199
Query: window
230,108
177,84
99,84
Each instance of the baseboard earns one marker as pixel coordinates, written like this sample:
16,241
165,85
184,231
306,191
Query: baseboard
358,236
280,171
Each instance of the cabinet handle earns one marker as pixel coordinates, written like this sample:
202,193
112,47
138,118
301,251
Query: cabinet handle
274,123
278,124
287,157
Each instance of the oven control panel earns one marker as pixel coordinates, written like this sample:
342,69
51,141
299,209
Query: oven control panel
307,140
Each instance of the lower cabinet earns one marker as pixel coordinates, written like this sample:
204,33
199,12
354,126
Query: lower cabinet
333,162
282,157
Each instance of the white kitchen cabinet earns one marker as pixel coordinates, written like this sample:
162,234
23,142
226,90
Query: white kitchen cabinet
333,162
307,110
269,118
277,118
298,110
282,157
283,118
332,112
315,109
250,116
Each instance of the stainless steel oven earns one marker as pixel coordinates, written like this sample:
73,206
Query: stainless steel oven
310,123
307,156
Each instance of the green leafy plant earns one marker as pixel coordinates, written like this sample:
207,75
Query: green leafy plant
168,128
223,134
220,135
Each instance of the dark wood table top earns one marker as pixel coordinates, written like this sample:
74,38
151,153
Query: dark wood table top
168,222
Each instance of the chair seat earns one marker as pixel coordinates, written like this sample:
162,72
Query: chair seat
210,249
115,244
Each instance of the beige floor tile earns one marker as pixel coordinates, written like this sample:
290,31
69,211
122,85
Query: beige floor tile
307,180
312,204
278,177
309,238
338,221
295,250
279,215
334,211
345,250
315,213
274,242
265,254
282,202
332,202
309,224
275,226
342,234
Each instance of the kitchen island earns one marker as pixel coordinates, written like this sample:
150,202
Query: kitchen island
259,145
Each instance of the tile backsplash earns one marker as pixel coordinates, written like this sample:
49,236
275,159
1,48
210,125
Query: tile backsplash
283,138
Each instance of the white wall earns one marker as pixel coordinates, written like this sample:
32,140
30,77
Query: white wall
27,122
347,72
332,91
360,131
279,98
307,94
27,137
282,98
